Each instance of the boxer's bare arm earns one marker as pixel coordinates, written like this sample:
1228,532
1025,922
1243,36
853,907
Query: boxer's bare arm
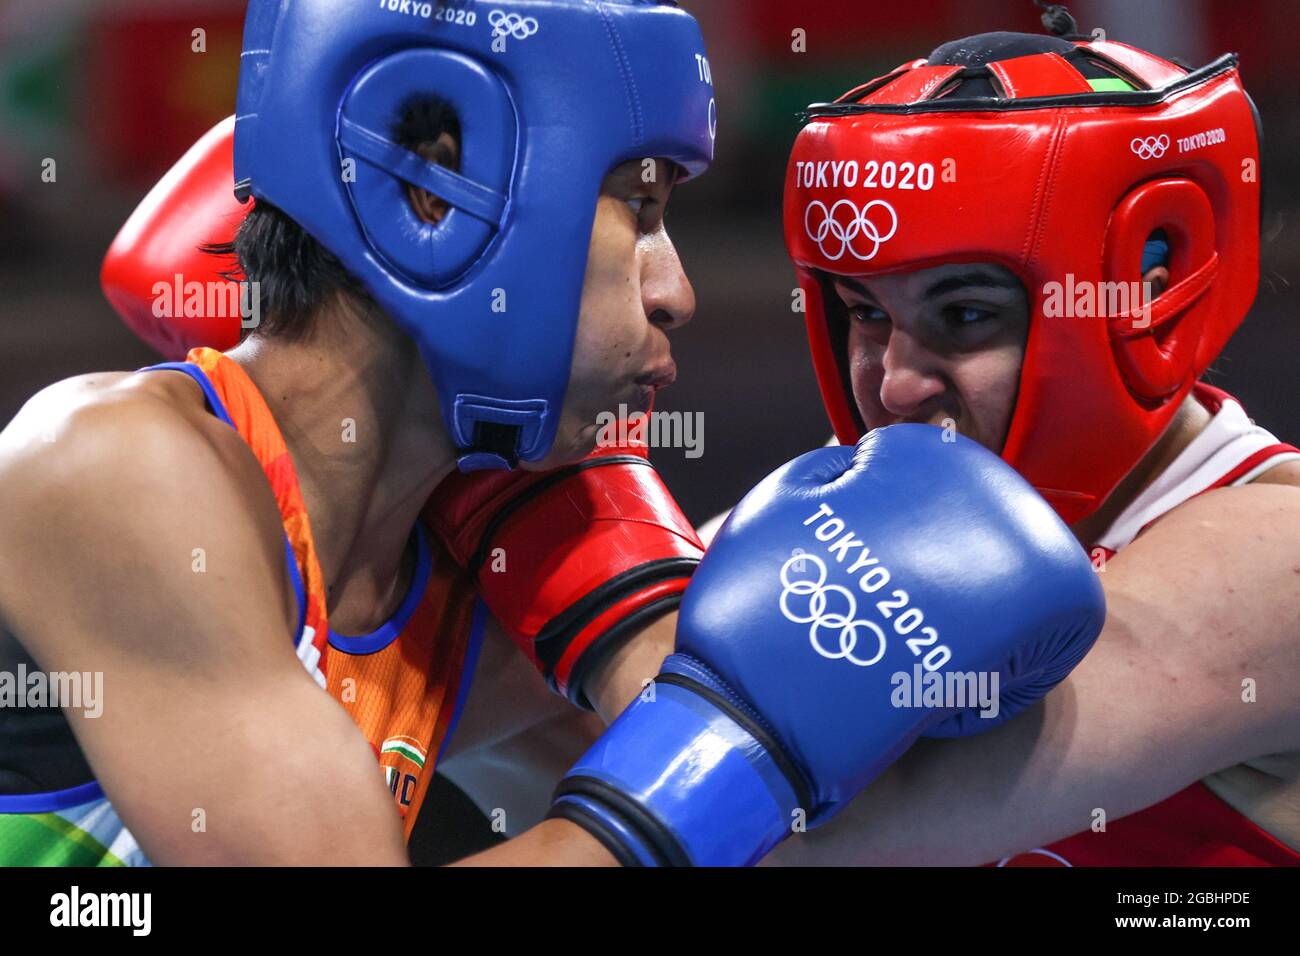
550,843
503,673
516,739
1207,599
616,682
141,541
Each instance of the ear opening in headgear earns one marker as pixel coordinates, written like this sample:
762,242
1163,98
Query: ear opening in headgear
425,124
432,255
1155,342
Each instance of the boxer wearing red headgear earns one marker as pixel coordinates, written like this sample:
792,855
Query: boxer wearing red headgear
963,228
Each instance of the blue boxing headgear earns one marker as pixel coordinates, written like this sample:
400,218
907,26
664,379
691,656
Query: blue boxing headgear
551,95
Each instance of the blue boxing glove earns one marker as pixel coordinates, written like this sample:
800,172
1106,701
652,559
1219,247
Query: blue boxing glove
842,572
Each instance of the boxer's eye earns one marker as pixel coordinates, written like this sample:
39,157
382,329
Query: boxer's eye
964,315
637,205
867,314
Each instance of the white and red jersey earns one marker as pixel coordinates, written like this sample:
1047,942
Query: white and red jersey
1194,827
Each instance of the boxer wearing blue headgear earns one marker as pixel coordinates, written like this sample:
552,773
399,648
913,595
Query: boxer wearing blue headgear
491,293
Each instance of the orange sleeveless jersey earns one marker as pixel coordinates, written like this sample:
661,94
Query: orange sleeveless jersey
404,684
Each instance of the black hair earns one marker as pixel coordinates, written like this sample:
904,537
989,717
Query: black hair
294,274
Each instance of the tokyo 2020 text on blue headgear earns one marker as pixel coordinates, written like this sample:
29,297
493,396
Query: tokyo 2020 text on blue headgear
550,94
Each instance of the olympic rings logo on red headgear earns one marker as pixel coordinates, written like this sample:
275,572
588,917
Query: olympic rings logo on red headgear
816,591
1153,147
846,234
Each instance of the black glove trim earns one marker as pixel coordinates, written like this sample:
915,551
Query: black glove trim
657,839
558,633
594,825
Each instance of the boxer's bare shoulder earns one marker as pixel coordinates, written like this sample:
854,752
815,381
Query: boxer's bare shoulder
109,404
139,539
120,468
102,420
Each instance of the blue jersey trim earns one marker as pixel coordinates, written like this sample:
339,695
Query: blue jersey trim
299,589
215,404
388,632
52,800
478,628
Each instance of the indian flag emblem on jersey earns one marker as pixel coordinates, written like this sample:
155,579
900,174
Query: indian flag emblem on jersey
407,747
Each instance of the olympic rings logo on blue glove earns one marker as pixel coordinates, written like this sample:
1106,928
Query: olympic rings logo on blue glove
818,591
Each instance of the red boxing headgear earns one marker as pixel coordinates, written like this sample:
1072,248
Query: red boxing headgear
1062,184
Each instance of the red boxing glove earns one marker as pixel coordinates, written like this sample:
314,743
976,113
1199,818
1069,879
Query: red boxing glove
156,256
570,561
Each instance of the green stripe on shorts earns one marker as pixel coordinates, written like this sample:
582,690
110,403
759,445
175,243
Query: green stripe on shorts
47,839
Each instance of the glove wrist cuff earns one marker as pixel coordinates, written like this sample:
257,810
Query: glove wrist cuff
679,780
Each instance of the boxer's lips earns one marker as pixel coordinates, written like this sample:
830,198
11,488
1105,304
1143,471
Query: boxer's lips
884,421
660,377
648,385
642,400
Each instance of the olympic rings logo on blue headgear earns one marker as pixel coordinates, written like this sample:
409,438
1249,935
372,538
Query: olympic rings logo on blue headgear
816,591
860,224
512,25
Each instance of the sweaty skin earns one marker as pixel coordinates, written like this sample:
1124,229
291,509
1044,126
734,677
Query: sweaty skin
112,480
1156,704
